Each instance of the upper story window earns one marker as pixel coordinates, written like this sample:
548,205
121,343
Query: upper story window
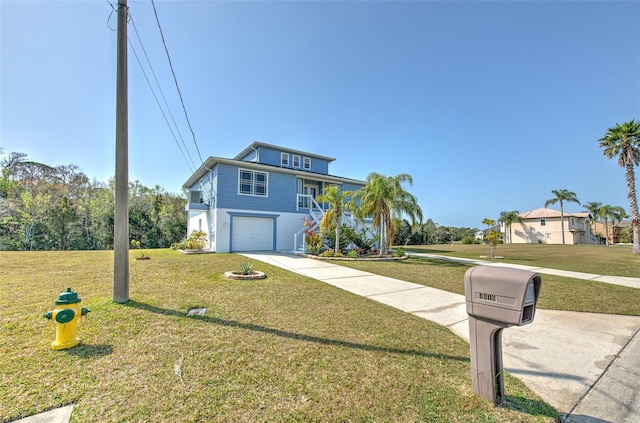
251,182
284,159
296,161
307,163
543,222
195,197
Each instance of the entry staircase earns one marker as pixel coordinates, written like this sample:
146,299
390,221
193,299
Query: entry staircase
316,212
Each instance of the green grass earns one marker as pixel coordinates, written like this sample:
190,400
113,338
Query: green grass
283,349
557,293
596,259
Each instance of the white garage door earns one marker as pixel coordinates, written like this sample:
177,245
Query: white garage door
252,234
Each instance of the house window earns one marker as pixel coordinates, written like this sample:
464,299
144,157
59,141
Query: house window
284,159
543,222
195,196
296,161
307,163
251,182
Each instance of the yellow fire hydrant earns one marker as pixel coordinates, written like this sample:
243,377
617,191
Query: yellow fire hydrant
65,319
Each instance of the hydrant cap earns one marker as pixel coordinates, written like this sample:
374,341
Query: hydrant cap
68,297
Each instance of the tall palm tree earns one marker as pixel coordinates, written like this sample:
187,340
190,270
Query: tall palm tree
561,196
508,218
593,207
384,197
623,141
336,199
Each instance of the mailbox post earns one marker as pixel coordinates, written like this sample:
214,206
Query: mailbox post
496,298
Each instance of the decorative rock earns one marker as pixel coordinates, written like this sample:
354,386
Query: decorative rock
242,277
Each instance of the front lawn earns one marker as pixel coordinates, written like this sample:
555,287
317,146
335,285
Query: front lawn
557,293
286,348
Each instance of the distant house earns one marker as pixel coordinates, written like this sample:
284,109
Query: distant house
615,230
261,198
542,226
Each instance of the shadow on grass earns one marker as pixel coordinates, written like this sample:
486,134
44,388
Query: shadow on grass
90,351
525,405
290,335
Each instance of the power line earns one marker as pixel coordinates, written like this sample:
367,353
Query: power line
190,160
176,81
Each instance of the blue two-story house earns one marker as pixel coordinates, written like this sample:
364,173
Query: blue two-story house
260,199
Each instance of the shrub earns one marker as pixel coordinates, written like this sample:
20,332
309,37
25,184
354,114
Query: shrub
246,268
399,252
347,234
328,253
363,241
470,240
196,241
353,254
314,243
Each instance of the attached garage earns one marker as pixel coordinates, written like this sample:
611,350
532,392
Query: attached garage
252,233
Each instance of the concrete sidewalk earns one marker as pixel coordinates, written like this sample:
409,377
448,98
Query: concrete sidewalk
586,365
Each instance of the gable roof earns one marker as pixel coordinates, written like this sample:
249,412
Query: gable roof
257,144
544,212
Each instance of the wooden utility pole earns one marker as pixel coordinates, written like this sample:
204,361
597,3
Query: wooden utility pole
121,217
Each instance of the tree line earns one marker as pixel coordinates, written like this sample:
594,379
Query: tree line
46,207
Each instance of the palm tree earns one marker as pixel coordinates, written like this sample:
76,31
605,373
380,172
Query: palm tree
560,196
623,141
593,207
508,218
336,199
489,222
490,236
615,213
384,197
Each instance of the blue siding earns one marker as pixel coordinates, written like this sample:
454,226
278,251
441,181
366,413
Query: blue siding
318,166
351,187
269,156
273,157
281,194
249,157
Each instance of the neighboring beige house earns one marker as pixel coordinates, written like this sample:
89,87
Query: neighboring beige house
615,229
542,226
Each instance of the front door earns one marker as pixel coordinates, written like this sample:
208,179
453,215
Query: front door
312,191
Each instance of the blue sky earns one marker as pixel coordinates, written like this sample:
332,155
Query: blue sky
488,105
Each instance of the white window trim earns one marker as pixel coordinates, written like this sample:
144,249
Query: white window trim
294,159
284,159
306,163
253,183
